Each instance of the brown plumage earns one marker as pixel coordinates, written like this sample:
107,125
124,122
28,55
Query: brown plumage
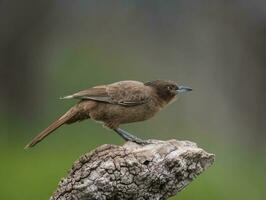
117,103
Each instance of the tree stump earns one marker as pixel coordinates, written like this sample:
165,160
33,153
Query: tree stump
155,171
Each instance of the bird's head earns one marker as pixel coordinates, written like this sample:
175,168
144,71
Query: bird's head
167,89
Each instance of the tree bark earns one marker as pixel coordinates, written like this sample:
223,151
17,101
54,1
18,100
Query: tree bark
158,170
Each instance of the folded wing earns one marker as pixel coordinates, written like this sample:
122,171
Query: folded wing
126,93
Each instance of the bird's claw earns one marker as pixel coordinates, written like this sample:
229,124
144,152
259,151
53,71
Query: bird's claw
140,141
129,137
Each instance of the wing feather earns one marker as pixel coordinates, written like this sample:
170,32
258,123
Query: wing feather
126,93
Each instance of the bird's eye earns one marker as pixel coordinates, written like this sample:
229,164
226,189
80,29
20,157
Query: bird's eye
170,87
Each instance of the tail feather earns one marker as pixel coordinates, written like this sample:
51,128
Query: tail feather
55,125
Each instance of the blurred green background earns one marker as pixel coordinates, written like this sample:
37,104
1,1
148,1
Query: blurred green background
50,49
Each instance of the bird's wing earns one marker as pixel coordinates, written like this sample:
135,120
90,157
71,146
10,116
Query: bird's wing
127,93
98,93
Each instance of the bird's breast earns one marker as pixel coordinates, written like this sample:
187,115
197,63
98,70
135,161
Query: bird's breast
124,114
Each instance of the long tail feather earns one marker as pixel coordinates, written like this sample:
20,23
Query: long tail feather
55,125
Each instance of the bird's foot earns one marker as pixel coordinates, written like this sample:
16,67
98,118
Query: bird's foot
139,141
129,137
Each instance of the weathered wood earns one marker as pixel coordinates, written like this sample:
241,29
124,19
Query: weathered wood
155,171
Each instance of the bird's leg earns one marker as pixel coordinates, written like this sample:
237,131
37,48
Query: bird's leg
129,137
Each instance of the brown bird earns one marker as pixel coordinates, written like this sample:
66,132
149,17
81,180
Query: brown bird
117,103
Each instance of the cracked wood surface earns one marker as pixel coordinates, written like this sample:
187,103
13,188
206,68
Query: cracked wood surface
155,171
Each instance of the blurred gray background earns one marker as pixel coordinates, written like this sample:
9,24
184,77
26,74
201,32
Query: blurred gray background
50,49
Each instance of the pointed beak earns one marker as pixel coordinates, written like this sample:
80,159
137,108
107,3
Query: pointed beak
183,89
